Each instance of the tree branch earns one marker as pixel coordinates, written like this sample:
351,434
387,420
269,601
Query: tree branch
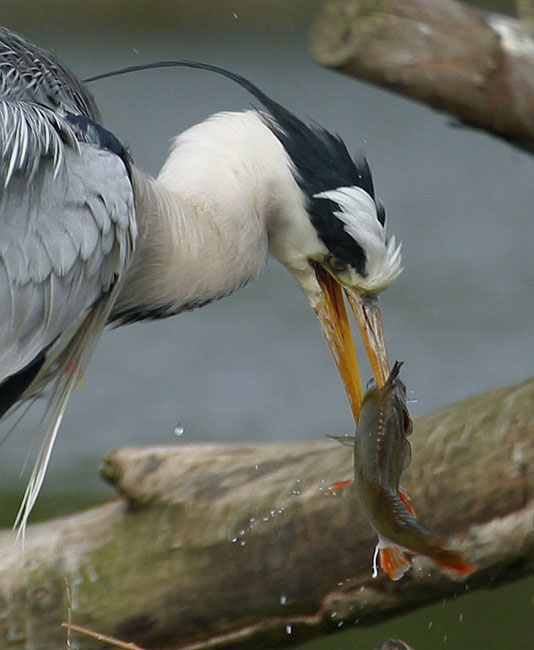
213,546
477,66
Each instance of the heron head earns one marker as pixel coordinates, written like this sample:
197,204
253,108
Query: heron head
356,261
341,249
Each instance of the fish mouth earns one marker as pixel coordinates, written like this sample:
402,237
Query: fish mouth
336,328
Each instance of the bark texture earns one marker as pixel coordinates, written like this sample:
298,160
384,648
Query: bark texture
224,546
477,66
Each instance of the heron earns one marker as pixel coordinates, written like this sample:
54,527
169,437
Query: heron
88,239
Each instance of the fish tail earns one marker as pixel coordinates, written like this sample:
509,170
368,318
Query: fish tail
392,560
453,561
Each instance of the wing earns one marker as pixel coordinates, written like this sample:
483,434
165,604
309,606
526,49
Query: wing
67,233
67,227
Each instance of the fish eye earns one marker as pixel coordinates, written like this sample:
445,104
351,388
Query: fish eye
370,384
336,263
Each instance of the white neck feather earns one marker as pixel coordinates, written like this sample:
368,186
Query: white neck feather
205,222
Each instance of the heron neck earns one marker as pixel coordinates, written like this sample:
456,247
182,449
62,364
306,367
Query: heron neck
204,221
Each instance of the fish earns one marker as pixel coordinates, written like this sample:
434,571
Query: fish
382,452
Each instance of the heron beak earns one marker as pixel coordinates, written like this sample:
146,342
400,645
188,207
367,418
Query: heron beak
336,329
366,312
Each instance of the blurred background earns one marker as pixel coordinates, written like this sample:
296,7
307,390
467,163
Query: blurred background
254,366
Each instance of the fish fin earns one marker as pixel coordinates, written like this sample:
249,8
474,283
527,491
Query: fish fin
407,502
346,441
454,561
393,561
376,570
334,487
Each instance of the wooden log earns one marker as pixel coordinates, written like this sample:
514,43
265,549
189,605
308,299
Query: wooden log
227,546
477,66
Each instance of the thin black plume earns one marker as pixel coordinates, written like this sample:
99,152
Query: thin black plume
320,160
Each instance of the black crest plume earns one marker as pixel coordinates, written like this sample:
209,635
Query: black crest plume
320,160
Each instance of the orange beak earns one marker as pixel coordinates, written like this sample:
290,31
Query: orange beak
336,328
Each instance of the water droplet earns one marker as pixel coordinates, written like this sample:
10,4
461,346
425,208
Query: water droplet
252,520
256,466
289,629
233,540
461,618
430,624
242,542
241,533
444,638
235,15
340,624
283,599
179,429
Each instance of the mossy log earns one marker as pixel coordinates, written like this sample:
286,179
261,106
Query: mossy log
212,546
477,66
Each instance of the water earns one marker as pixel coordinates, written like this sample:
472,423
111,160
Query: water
493,620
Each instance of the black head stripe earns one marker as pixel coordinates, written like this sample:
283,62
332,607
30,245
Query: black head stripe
320,160
331,232
322,163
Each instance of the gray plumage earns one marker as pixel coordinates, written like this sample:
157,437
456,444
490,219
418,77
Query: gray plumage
67,230
30,74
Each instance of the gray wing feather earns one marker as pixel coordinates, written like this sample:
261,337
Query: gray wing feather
29,73
67,229
61,249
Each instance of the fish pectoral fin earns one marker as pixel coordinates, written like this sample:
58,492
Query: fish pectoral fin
393,561
334,487
407,502
346,441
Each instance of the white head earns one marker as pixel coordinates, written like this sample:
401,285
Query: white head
341,246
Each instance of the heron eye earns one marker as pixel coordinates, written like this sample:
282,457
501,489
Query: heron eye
336,263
